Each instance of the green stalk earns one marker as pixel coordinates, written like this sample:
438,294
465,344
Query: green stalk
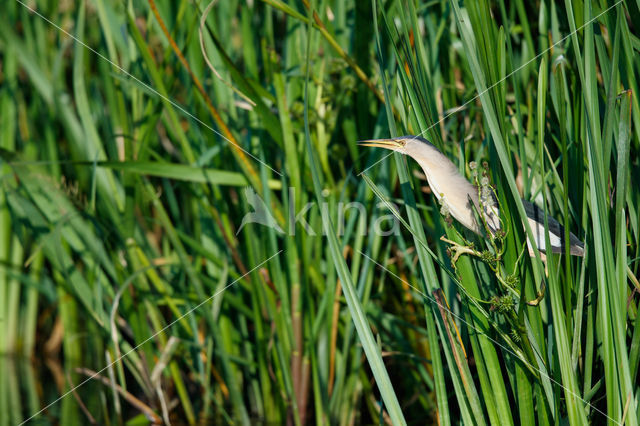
355,308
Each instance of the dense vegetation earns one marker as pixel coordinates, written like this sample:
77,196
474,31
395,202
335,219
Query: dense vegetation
136,135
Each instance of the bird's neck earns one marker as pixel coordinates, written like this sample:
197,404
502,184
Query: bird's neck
453,189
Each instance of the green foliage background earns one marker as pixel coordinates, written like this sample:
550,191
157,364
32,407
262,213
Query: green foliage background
123,170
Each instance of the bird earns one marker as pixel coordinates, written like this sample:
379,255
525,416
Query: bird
457,194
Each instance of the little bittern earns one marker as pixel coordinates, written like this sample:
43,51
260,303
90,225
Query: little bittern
452,189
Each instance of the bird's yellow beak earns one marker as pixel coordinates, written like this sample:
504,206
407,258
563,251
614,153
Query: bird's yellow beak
392,144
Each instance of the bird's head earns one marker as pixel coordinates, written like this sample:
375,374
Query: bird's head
413,146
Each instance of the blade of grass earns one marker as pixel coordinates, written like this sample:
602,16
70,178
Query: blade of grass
364,332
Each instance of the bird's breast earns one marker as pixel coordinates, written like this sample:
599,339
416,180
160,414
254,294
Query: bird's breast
458,194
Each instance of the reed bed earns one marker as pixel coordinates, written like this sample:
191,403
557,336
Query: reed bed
136,137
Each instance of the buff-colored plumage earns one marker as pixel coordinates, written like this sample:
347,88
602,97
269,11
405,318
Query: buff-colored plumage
458,194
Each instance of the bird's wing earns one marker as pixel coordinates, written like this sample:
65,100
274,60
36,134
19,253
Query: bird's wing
534,212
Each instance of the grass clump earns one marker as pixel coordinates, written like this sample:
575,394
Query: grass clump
124,163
